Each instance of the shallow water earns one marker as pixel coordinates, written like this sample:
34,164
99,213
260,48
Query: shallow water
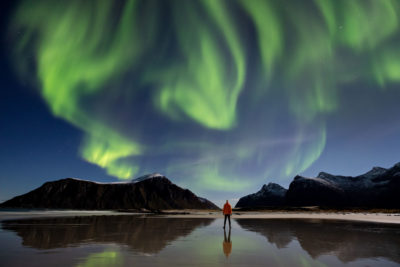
165,241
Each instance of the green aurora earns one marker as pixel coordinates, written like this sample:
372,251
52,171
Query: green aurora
206,71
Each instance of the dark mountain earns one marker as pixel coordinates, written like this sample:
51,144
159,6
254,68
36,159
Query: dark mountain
269,195
152,192
378,188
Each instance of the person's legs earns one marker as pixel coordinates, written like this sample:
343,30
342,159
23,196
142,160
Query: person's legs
229,218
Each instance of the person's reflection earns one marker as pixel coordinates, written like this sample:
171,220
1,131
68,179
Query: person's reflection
227,244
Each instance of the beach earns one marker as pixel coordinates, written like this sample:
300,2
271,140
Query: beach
377,217
196,238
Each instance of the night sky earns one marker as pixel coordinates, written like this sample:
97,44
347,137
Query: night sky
219,96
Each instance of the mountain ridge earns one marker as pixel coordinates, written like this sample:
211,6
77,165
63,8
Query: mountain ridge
273,194
156,193
376,188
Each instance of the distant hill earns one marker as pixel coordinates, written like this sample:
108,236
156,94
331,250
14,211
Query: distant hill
151,192
378,188
269,195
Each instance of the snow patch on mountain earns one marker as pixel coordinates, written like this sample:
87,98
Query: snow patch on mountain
272,189
148,176
350,183
375,172
203,199
95,182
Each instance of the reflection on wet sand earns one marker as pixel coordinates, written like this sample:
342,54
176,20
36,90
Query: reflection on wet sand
348,241
142,234
106,258
159,241
227,243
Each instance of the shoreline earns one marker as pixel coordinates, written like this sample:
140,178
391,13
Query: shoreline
362,216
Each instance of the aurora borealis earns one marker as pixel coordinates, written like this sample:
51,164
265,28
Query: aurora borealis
221,96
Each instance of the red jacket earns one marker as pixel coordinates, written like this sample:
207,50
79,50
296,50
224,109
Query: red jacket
227,209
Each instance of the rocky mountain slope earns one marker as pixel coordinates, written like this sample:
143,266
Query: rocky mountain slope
378,188
269,195
152,192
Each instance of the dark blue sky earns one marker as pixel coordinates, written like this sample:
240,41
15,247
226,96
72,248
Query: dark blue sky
218,98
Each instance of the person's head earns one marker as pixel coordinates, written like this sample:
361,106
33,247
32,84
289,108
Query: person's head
226,201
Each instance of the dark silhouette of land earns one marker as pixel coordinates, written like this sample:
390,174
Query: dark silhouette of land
156,193
377,189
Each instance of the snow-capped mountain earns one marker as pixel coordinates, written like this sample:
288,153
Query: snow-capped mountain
378,188
151,192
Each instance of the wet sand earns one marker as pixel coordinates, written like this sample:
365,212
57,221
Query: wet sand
393,218
11,215
195,239
351,216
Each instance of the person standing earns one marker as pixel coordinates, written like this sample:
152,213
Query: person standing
227,211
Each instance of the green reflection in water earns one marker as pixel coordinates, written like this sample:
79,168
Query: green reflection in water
307,262
105,258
